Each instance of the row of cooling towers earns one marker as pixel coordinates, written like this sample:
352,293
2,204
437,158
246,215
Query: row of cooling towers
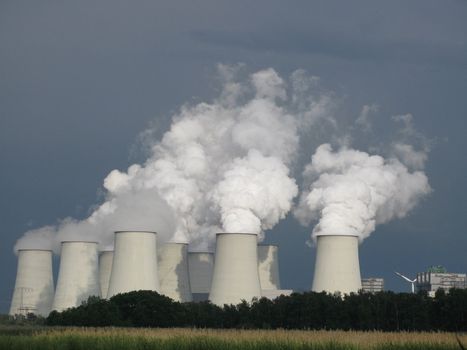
240,270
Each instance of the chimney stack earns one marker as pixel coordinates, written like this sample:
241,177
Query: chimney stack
78,277
268,267
134,264
34,287
337,268
105,268
173,272
235,277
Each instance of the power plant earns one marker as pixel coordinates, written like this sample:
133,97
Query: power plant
173,272
235,277
337,268
234,164
105,268
134,264
34,286
78,276
239,270
200,268
229,277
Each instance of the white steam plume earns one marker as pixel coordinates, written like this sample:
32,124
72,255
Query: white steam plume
414,157
254,187
138,210
222,166
349,192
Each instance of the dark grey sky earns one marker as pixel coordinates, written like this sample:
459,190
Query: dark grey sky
80,80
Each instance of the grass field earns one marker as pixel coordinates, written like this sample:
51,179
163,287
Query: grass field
16,338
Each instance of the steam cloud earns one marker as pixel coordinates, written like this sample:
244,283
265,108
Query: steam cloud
349,192
222,166
225,166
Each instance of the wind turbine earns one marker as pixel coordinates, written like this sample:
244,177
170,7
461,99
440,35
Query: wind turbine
412,282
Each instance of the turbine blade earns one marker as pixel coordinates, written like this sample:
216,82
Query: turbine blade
404,277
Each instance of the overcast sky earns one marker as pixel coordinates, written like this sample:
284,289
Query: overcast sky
79,81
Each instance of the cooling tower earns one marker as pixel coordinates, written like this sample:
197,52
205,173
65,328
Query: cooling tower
173,272
337,268
78,276
235,277
134,264
105,268
34,287
268,267
200,266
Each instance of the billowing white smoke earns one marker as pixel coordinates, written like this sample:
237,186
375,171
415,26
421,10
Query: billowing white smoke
222,166
349,192
141,210
255,193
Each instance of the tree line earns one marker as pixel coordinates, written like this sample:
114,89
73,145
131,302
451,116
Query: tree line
384,311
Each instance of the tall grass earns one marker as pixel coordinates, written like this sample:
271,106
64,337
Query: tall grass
206,339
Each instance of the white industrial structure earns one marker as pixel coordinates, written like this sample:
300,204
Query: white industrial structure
337,268
235,277
34,287
200,267
372,284
437,277
105,268
134,264
173,272
268,267
78,276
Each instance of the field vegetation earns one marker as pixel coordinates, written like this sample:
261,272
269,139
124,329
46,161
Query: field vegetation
207,339
147,320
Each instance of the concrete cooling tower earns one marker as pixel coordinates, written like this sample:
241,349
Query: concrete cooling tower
105,268
337,268
134,264
200,267
268,267
34,287
173,272
235,277
78,276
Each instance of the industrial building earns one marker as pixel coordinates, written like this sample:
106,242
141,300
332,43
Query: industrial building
372,284
437,277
